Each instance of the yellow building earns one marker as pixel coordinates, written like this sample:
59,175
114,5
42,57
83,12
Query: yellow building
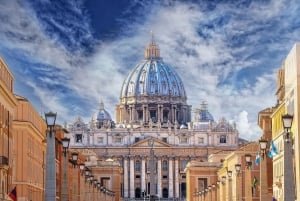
28,151
8,104
286,165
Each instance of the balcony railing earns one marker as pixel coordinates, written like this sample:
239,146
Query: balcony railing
3,160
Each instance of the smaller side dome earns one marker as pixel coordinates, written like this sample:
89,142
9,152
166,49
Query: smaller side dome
102,118
204,115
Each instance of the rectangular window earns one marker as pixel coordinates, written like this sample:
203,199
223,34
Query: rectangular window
200,140
78,138
117,139
183,140
202,184
164,139
136,139
100,140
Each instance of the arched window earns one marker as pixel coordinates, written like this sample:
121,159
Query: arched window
223,139
138,166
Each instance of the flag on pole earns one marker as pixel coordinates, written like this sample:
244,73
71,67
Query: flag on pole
257,158
255,181
273,151
13,194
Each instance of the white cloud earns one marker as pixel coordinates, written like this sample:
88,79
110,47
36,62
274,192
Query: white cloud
209,65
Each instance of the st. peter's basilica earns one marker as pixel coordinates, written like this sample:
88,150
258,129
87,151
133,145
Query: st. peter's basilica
152,117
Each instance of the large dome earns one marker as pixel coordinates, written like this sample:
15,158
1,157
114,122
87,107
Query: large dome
152,77
153,94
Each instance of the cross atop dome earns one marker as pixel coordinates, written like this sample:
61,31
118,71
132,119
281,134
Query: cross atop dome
152,50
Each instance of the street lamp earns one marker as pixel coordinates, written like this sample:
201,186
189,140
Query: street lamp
238,168
248,161
287,121
288,171
50,186
229,174
263,147
223,179
65,143
74,158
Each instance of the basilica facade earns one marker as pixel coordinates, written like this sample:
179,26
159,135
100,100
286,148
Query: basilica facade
154,134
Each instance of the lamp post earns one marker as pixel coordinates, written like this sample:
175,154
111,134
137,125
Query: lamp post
263,171
288,171
223,191
152,170
213,187
238,170
75,174
218,194
248,187
229,174
65,170
50,186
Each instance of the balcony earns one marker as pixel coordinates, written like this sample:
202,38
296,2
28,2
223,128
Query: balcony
3,161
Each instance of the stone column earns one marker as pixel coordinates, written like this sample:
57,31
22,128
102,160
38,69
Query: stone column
131,175
239,186
171,192
176,178
288,172
50,186
65,177
248,185
130,114
134,113
143,179
263,181
159,189
125,182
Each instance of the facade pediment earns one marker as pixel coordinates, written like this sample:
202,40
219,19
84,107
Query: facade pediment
156,143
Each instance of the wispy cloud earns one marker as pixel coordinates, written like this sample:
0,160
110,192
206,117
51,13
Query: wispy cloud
226,53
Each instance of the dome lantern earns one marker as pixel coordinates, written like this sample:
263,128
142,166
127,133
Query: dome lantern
152,50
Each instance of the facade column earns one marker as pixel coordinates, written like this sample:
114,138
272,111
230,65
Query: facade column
171,192
248,185
143,179
130,114
159,177
133,113
125,182
176,178
172,114
131,175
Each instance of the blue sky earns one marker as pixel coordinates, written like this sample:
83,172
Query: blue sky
67,56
